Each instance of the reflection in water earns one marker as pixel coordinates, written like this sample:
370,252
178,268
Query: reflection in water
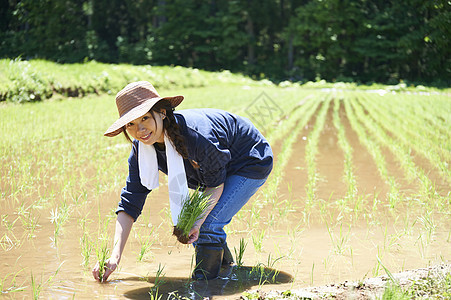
232,280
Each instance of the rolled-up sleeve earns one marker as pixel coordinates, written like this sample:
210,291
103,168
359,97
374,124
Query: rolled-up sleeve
134,194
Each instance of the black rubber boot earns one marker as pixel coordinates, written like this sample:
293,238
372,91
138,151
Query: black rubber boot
227,259
208,261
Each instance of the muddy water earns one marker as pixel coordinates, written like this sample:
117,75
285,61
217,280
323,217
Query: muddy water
368,180
296,250
330,162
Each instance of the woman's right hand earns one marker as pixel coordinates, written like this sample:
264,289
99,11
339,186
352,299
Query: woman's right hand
110,266
124,225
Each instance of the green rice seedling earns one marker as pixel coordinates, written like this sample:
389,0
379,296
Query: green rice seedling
375,151
30,223
272,262
193,208
449,236
85,243
86,248
193,266
389,274
422,245
265,273
36,287
165,215
323,208
102,253
59,216
257,240
402,153
340,241
348,176
254,219
429,226
311,150
359,205
294,235
299,119
240,253
154,295
391,240
286,206
411,133
159,281
407,227
146,243
80,198
311,273
286,125
421,126
12,283
22,210
8,225
101,248
159,278
377,264
426,233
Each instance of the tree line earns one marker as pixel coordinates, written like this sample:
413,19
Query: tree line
365,41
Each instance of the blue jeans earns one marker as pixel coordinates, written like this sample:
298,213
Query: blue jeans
237,191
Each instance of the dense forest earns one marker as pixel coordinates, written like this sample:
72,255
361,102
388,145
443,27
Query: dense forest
365,41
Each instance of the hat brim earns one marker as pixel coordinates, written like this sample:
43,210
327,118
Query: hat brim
137,112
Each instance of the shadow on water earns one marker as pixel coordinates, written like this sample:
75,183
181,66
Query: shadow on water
232,280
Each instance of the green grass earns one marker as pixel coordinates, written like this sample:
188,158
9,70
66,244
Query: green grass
36,80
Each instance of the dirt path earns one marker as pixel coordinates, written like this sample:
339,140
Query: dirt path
432,282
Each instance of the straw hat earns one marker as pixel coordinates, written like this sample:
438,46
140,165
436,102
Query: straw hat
133,101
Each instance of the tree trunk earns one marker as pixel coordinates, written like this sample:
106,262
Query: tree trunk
290,52
161,19
250,45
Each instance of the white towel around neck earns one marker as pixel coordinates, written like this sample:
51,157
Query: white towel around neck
148,172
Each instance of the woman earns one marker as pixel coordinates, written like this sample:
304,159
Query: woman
220,152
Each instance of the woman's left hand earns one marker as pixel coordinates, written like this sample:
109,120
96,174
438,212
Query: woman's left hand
193,234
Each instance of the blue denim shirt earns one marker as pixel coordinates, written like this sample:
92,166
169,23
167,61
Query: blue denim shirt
221,143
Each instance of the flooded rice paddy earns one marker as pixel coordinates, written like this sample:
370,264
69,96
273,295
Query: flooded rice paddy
357,177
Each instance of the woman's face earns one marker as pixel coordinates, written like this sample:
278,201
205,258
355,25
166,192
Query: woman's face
147,129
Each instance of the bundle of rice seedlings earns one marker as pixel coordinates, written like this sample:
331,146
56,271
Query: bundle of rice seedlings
193,208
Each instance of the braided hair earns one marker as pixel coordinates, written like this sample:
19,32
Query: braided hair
170,126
